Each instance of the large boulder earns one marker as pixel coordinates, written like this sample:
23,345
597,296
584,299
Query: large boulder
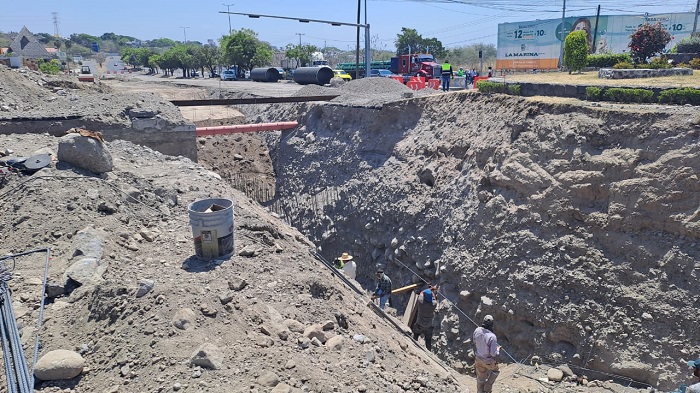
208,356
59,364
85,152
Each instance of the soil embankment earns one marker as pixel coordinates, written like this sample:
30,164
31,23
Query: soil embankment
575,226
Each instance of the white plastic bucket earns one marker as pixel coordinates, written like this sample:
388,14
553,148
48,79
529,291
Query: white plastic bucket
212,227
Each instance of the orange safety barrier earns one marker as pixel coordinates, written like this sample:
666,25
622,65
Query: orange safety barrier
414,84
479,78
434,83
397,78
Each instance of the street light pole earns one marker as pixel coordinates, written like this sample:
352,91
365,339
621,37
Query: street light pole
184,31
695,20
332,23
228,9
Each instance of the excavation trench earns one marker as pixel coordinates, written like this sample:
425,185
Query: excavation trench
555,219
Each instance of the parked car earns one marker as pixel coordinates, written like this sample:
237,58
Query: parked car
194,73
381,73
228,75
342,75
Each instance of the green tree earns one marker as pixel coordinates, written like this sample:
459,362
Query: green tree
303,53
434,46
160,43
85,40
408,41
648,40
207,56
137,57
243,49
576,50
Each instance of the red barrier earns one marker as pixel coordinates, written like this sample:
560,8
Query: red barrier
397,78
415,84
434,83
479,78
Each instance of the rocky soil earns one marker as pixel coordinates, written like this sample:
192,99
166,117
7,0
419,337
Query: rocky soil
575,227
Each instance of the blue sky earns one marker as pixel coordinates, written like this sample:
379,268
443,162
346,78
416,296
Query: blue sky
454,22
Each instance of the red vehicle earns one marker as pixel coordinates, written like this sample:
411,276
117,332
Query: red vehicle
422,64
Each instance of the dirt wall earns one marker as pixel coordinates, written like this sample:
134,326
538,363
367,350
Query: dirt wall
576,227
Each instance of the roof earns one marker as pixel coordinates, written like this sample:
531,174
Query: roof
26,45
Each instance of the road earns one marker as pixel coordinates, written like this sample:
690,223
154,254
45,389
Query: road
277,89
173,88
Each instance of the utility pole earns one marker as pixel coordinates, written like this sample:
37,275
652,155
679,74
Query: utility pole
563,36
357,48
299,59
184,31
595,31
695,21
228,9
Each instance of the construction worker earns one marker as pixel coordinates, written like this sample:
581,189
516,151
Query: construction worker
695,388
424,316
446,75
487,351
349,267
383,290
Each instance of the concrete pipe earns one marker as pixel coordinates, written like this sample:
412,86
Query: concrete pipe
265,74
313,75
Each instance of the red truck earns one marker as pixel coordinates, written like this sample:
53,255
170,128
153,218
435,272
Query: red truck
422,64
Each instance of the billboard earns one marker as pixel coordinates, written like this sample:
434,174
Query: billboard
537,44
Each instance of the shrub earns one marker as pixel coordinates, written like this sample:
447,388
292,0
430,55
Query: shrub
680,96
594,93
695,64
647,41
607,60
659,63
576,50
498,87
688,45
52,67
514,89
623,65
621,94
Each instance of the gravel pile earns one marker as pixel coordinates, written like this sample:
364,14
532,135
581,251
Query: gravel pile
27,94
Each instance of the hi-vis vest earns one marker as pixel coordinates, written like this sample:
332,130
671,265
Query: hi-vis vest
446,68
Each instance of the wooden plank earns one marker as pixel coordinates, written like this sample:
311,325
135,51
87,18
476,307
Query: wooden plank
409,316
403,289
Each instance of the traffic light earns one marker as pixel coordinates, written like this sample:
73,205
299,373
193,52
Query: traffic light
481,54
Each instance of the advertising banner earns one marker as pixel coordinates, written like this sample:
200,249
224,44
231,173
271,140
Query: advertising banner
537,44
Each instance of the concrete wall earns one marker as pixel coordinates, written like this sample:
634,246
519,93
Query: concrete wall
612,73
